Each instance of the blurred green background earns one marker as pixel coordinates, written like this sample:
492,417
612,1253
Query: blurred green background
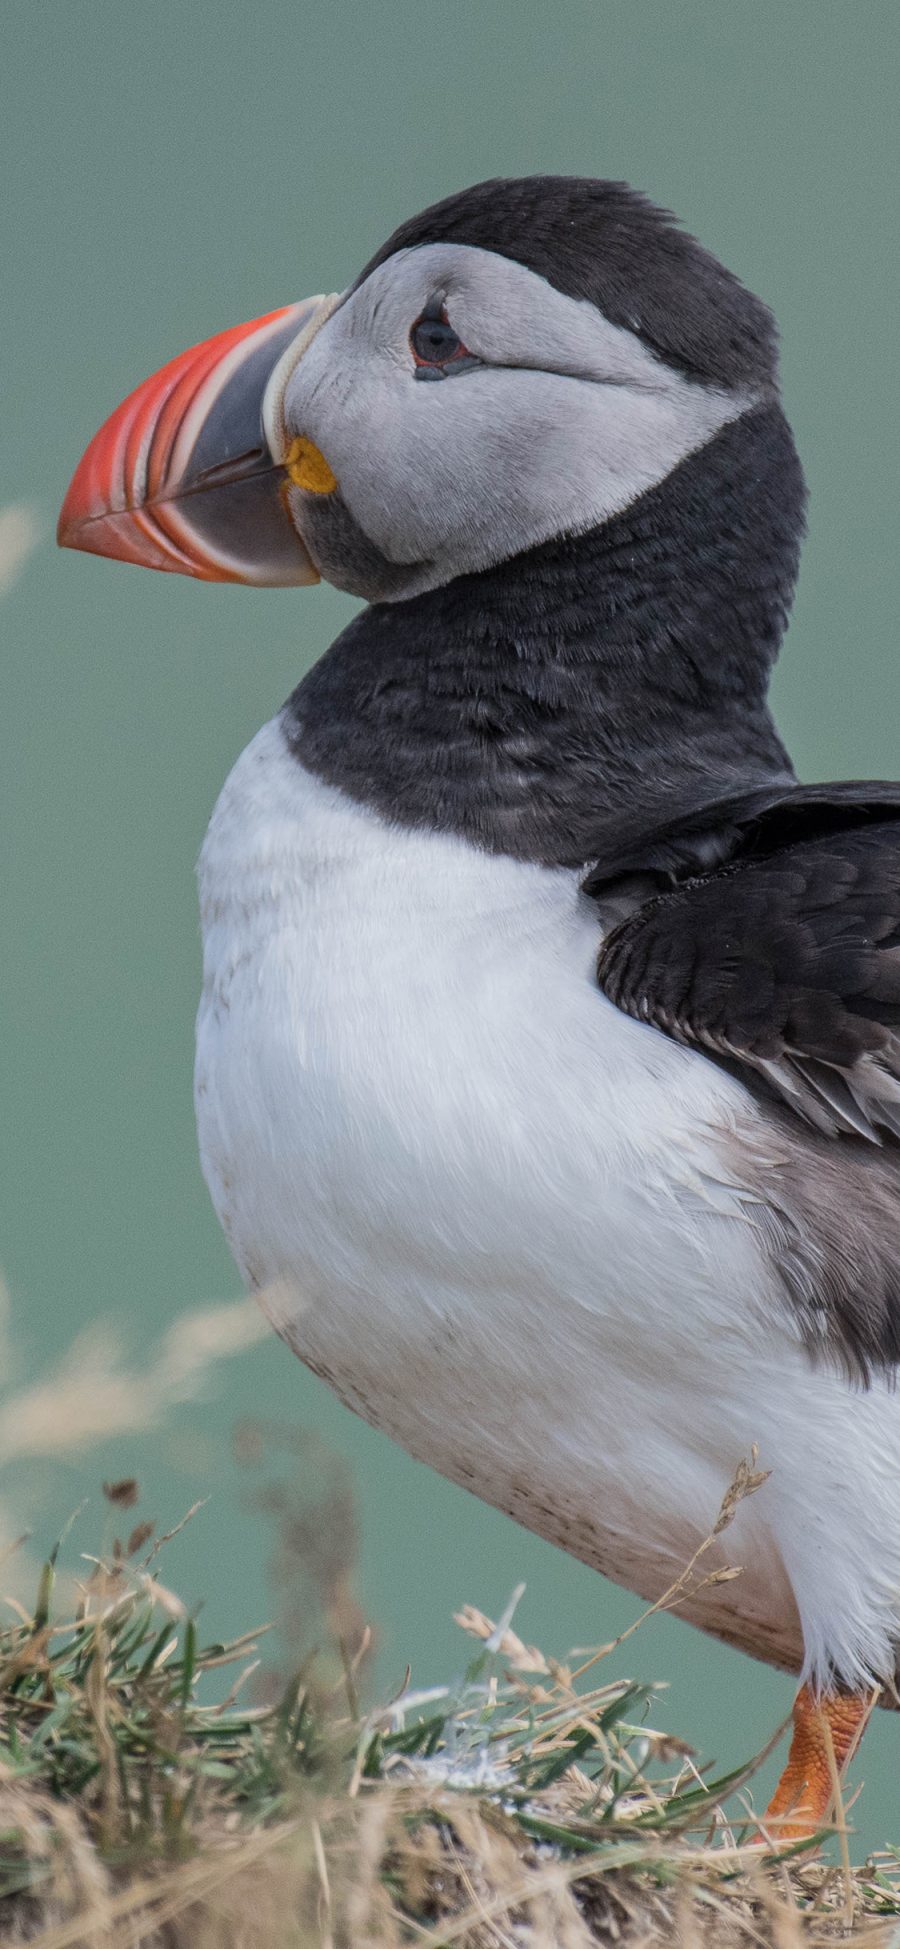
171,170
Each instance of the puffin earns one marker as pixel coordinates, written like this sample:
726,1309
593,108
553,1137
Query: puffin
548,1055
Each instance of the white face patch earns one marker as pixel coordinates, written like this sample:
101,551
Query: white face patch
564,423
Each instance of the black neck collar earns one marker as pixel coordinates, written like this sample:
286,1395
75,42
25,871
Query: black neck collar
591,688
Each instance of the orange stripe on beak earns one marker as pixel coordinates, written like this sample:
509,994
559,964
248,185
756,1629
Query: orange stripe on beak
181,476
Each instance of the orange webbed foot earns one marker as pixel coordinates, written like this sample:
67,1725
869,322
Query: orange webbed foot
828,1727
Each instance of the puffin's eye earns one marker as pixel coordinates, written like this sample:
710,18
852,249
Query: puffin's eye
434,341
436,346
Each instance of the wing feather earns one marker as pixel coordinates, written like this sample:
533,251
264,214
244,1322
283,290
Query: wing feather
784,961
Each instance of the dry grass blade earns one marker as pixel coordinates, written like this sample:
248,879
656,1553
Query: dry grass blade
143,1805
19,536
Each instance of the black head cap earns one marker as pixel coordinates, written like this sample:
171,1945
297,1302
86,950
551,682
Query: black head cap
609,244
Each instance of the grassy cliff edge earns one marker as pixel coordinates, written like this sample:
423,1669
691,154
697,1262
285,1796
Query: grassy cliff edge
531,1805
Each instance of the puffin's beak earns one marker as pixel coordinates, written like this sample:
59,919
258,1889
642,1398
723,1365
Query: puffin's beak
190,472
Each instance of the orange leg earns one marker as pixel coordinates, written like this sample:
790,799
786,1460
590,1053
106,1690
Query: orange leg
805,1791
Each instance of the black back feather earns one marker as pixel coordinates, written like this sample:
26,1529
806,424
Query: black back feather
785,957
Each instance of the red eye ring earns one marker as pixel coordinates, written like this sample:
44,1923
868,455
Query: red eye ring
433,341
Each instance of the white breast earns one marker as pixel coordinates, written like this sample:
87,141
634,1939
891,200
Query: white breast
488,1208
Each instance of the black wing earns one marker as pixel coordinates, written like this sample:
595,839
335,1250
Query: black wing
784,958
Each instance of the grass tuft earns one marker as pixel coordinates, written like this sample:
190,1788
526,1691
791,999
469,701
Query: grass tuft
145,1799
